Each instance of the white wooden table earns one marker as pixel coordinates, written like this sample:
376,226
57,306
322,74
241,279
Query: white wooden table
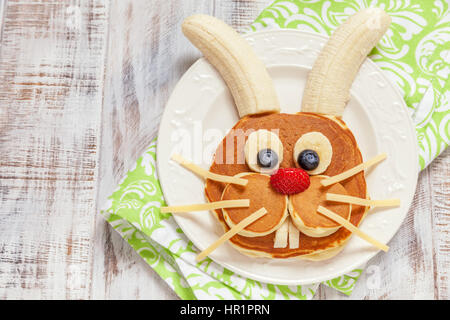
82,88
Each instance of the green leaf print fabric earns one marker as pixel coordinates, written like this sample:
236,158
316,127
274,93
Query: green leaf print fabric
133,210
414,54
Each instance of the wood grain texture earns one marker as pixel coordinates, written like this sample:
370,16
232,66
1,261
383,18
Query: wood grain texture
83,86
51,81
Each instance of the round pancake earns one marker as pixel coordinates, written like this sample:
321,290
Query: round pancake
303,208
290,127
274,202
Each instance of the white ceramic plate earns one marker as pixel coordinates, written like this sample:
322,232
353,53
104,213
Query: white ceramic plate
201,110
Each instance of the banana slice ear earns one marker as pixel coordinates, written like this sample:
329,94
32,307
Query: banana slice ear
328,86
243,72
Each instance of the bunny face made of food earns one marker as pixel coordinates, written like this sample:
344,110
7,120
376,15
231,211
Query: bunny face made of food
285,158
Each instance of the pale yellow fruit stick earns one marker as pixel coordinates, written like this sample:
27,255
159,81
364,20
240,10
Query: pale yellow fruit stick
281,235
352,228
230,233
207,174
351,172
294,236
362,202
240,203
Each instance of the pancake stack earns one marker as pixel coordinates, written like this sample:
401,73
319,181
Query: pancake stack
346,155
265,142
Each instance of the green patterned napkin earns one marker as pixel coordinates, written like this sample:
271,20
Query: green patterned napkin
414,54
133,210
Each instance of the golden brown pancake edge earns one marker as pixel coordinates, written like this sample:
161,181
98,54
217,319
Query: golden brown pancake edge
346,155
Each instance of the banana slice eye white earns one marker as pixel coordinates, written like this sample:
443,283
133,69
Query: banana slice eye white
313,153
263,151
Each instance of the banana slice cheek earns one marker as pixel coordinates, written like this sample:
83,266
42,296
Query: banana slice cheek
257,141
319,143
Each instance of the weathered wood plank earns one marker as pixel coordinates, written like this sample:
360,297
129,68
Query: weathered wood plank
2,12
51,80
241,13
440,195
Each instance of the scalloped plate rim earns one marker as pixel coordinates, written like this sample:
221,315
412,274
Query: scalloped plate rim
303,281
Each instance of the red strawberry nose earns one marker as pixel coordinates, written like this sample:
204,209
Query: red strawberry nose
290,180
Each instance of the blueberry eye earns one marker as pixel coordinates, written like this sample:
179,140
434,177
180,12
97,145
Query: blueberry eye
308,159
267,158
